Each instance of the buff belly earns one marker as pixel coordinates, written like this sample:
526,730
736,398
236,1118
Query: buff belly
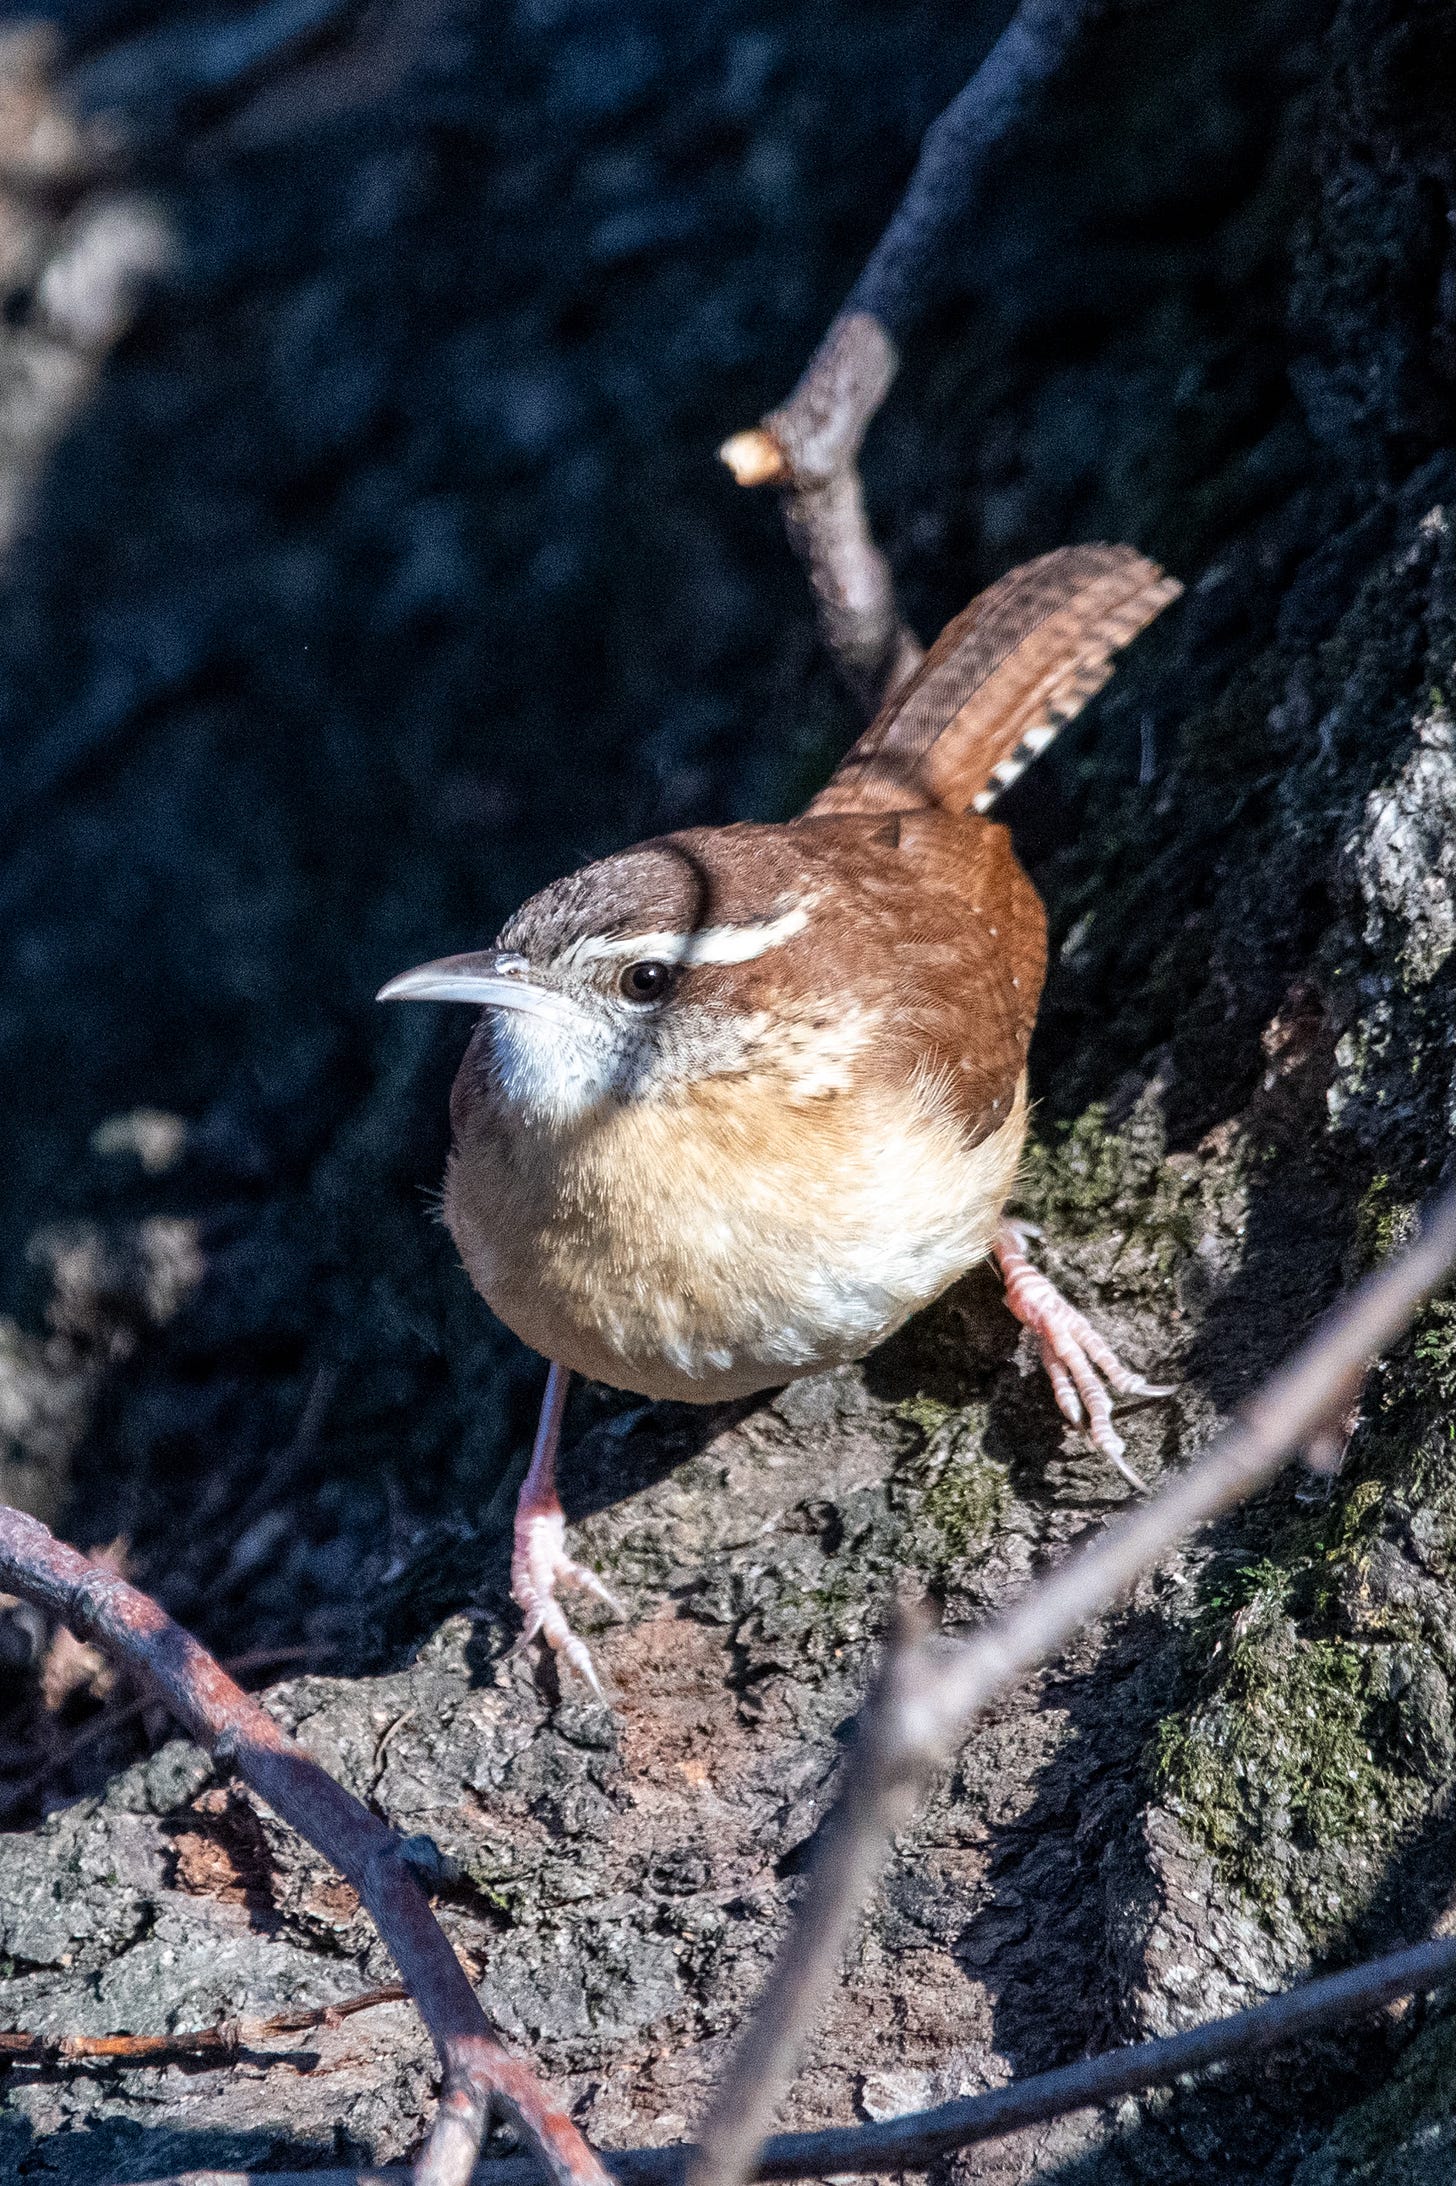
660,1251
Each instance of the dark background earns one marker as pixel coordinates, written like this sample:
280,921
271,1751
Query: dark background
389,571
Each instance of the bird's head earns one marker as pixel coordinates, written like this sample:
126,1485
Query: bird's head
635,976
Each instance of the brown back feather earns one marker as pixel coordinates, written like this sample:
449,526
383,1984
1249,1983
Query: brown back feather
999,682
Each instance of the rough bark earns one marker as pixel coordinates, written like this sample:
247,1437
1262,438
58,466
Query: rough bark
387,572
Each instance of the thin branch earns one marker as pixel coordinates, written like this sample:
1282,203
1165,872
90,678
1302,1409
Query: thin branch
958,150
924,1701
922,2137
810,450
459,2128
229,1724
162,76
221,2045
929,1692
809,447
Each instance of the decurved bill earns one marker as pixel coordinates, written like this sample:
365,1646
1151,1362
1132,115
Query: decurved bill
481,981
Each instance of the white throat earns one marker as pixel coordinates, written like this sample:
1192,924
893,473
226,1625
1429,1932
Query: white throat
555,1072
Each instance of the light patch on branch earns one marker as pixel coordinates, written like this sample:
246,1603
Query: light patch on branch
77,251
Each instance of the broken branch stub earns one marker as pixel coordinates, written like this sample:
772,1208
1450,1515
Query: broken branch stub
809,446
810,449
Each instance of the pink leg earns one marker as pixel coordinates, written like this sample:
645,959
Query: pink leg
539,1562
1076,1358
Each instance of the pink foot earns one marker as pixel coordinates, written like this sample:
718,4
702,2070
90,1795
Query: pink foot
1076,1358
539,1562
539,1565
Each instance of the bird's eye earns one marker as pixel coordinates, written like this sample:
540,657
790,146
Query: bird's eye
647,981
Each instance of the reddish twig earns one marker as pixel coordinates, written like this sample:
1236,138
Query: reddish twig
930,1692
809,447
923,2137
129,1626
209,2045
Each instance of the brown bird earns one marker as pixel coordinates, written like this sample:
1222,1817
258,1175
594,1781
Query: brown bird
743,1099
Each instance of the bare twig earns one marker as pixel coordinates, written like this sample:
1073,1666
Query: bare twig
922,2137
163,75
209,2045
459,2128
132,1628
926,1697
809,447
810,450
929,1693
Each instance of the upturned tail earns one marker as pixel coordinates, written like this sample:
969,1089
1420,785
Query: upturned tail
999,682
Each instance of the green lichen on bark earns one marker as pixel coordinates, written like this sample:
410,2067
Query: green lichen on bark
1434,1349
1320,1731
954,1494
1283,1770
1384,1222
1085,1176
964,1501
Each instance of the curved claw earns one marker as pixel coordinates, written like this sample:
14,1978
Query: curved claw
547,1621
538,1566
1078,1361
570,1573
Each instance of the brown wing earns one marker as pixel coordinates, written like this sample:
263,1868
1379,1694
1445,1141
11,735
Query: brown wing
929,921
922,921
975,1003
999,682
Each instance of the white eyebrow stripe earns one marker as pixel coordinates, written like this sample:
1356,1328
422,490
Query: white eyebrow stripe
705,945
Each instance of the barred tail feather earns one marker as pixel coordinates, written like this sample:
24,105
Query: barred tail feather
999,682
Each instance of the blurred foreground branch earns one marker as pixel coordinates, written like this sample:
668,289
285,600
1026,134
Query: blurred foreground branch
130,1627
922,2137
809,447
929,1692
79,247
